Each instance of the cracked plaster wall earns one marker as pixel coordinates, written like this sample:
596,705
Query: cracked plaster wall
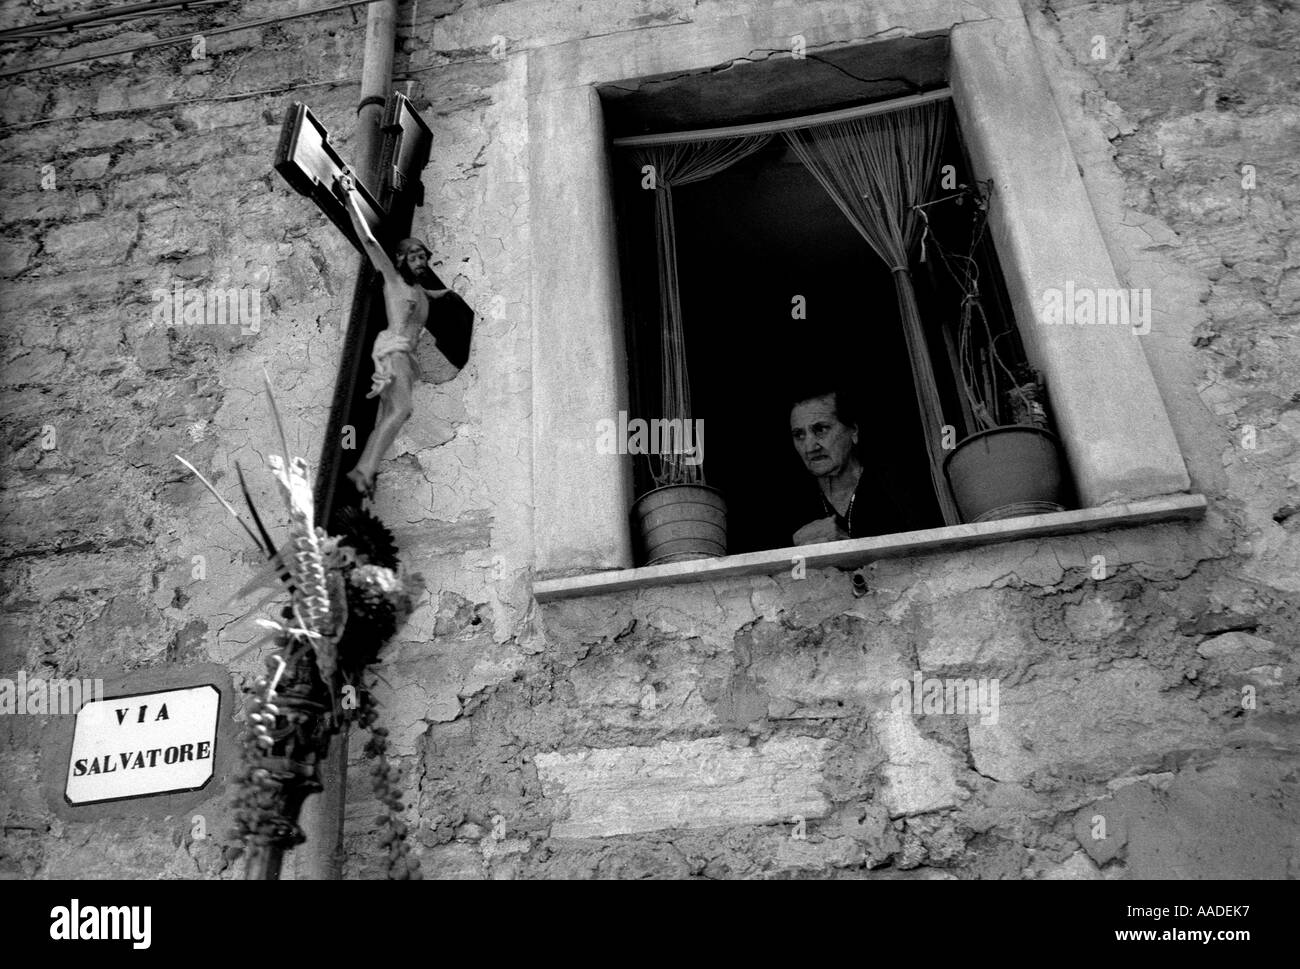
676,731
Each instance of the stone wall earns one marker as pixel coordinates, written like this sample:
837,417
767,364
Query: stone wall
737,728
122,178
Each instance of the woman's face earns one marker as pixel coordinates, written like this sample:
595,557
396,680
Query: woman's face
824,443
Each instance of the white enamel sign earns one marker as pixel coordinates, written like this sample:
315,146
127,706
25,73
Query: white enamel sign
148,743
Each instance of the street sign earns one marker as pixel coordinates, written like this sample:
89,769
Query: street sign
143,744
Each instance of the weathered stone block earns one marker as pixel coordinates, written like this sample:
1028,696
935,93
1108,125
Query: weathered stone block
55,205
410,708
682,784
920,774
659,686
841,669
1234,645
818,853
867,823
15,255
1098,725
85,573
1094,620
453,862
1210,823
980,628
37,367
130,192
1075,868
89,168
96,242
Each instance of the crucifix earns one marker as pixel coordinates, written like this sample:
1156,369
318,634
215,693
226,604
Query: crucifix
384,329
413,297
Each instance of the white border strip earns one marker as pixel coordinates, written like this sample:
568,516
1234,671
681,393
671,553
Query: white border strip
859,551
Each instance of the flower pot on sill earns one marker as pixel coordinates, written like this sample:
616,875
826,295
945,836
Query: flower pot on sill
681,522
1007,472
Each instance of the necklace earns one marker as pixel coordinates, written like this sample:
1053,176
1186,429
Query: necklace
847,517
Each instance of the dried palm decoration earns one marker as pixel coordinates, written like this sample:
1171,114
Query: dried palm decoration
347,596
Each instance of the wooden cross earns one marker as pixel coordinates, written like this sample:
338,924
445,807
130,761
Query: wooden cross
310,164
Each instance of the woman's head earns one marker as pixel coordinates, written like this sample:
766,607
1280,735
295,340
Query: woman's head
824,431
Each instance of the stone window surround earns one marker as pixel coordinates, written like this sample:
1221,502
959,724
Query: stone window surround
1118,439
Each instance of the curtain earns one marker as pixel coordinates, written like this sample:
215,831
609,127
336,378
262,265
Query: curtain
877,168
681,164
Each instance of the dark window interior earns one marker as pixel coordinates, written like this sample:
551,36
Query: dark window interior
749,241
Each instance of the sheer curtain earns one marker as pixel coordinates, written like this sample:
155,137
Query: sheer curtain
877,168
681,164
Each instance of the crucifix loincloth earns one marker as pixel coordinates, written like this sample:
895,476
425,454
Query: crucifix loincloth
389,344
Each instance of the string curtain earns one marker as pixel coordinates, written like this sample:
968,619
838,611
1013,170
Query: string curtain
876,169
672,165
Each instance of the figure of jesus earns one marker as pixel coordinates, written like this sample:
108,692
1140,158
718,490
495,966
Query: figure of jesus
406,302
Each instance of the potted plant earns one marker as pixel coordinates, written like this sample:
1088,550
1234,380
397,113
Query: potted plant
1012,466
681,517
1011,463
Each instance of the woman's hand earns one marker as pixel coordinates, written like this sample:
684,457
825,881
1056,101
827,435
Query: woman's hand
823,530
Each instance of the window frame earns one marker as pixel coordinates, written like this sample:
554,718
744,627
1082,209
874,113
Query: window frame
1120,444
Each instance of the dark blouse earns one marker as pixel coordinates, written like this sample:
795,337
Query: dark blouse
874,511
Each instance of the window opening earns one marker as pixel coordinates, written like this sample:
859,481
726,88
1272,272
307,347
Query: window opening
780,296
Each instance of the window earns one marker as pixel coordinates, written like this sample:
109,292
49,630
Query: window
1042,225
782,298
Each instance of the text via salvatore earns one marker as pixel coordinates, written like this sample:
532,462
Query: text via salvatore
134,746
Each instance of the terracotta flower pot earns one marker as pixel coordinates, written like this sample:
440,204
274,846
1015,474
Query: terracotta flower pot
1007,472
681,522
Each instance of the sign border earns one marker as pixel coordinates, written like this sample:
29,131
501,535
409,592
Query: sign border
57,732
216,738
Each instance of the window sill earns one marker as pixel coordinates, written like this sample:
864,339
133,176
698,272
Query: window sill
860,551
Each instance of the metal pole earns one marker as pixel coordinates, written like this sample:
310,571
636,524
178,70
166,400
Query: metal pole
323,814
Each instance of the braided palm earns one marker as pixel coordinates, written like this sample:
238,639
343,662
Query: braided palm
306,562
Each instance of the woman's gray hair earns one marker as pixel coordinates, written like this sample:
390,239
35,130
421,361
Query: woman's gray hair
845,408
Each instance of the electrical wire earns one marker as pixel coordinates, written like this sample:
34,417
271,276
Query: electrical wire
238,95
131,11
182,38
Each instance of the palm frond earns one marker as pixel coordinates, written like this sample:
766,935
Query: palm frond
272,575
252,510
275,415
225,504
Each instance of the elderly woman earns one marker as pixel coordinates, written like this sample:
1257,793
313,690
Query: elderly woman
852,503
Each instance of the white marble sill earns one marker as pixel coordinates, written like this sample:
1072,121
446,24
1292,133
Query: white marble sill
859,551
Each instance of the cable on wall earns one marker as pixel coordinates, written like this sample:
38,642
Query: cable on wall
131,11
181,38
